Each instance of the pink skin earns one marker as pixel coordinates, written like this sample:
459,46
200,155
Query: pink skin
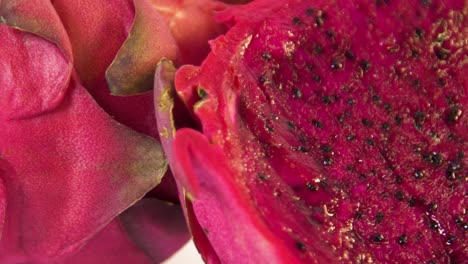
177,30
99,30
66,167
48,91
148,232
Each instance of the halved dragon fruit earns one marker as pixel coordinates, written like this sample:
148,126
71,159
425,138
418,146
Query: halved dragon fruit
331,133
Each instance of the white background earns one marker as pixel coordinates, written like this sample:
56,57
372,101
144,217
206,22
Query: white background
188,254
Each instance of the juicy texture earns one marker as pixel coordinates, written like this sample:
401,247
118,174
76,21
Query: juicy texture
341,122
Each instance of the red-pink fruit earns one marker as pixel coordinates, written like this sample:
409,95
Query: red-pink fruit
66,167
148,232
177,30
331,132
170,115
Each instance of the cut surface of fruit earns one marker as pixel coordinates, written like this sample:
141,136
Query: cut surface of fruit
340,129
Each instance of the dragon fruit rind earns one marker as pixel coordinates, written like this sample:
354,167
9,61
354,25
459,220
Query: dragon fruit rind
332,132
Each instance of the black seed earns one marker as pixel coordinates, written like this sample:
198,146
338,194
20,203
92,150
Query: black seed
450,175
205,231
296,93
300,246
262,78
351,137
387,107
309,11
266,56
453,114
366,122
202,93
329,33
415,55
377,238
460,222
351,101
324,184
302,139
359,214
327,99
449,99
441,82
451,136
317,78
291,125
318,21
370,142
297,21
375,98
436,159
318,49
336,64
317,123
442,54
302,149
417,125
432,207
385,126
419,174
433,134
398,120
327,161
434,224
269,129
433,158
379,217
403,239
419,33
452,170
399,179
419,116
311,187
399,195
365,65
411,202
450,240
326,148
262,176
349,55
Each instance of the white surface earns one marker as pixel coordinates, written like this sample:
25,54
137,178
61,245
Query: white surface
188,254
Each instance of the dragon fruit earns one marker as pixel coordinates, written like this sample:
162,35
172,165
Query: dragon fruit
162,28
68,171
331,132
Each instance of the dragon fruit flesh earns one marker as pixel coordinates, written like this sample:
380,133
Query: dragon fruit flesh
332,132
